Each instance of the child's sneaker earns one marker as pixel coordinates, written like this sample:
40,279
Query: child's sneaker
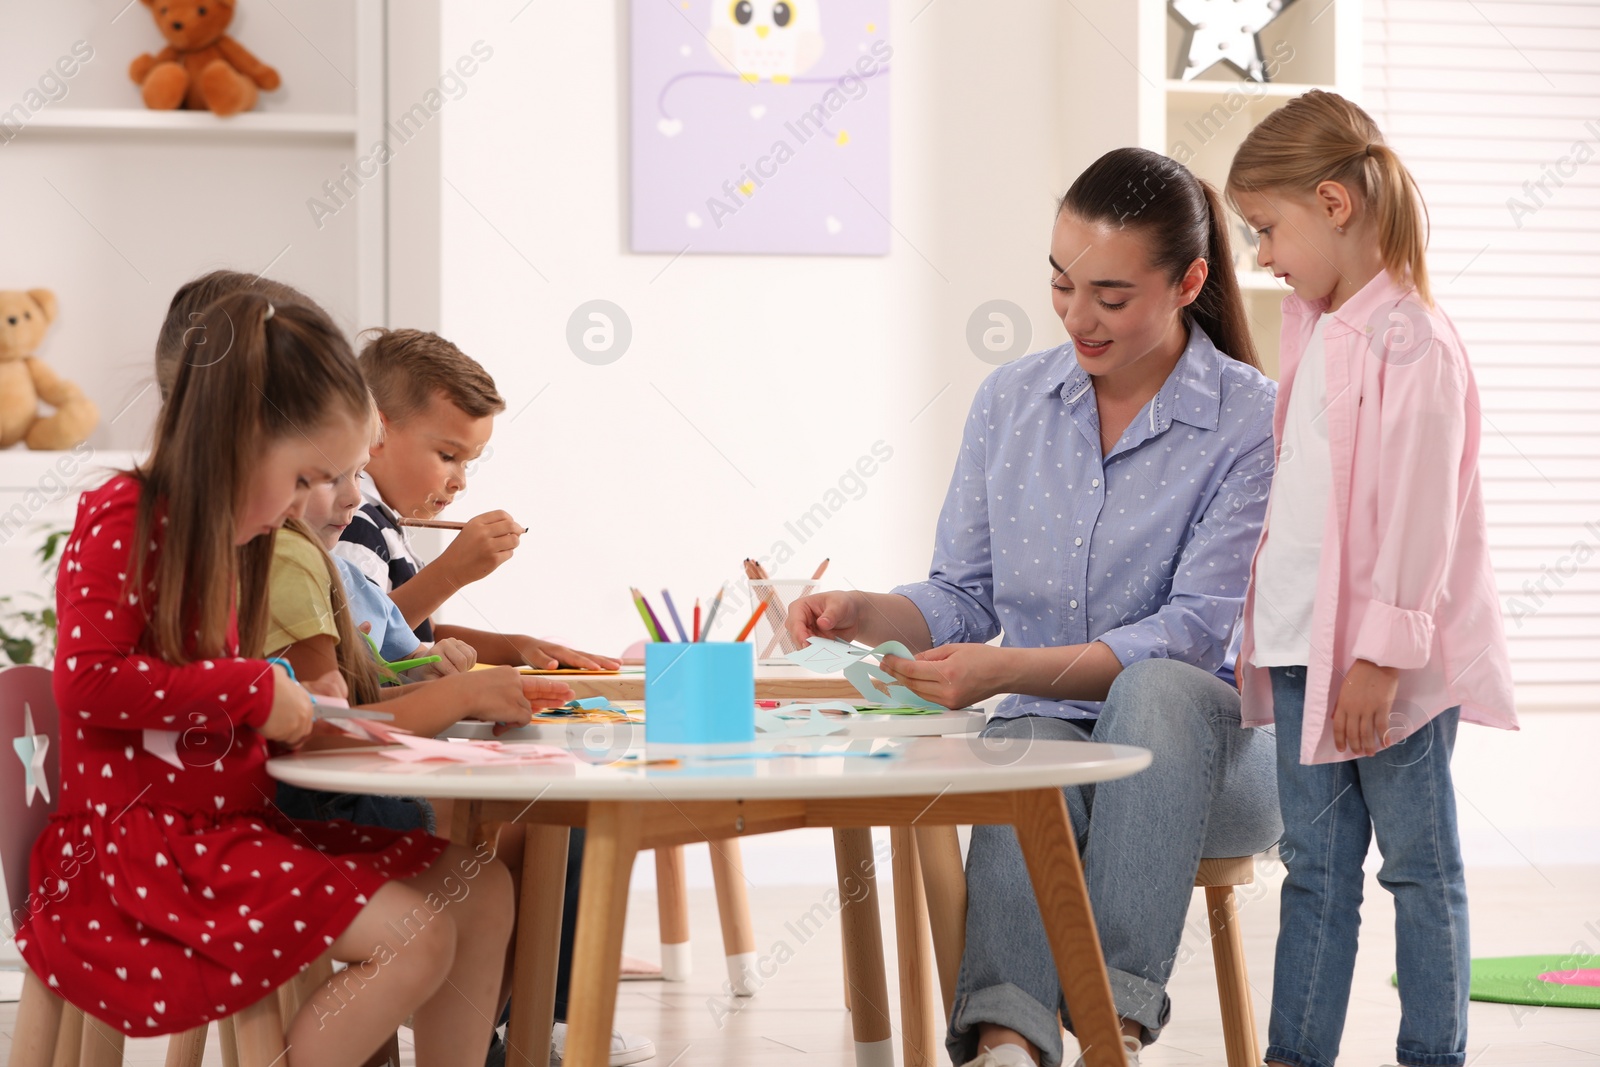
1131,1046
625,1048
1007,1055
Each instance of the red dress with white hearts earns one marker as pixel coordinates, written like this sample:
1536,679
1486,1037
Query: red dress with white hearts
167,889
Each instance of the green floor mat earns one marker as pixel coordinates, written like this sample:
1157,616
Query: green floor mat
1548,981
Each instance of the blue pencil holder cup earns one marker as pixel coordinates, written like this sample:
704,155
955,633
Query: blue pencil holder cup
698,696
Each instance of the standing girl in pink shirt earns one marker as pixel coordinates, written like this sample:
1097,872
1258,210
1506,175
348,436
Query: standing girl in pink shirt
1371,625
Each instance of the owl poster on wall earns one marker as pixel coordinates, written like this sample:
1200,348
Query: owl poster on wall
760,126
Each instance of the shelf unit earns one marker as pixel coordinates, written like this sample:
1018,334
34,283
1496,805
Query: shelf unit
108,120
1202,121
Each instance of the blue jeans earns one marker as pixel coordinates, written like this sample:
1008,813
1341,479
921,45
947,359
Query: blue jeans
1210,791
1330,812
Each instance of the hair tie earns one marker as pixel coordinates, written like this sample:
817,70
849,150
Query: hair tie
271,311
1369,149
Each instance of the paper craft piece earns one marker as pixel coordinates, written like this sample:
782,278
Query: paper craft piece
825,655
163,745
416,749
564,670
31,748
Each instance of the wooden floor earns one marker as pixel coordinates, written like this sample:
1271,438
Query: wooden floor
798,1018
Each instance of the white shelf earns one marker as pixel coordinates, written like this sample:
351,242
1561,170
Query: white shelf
1262,90
109,120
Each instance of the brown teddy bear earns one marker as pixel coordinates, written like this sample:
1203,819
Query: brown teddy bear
201,67
25,379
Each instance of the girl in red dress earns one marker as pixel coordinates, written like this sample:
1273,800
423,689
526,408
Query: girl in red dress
167,889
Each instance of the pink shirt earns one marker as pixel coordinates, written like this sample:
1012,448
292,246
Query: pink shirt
1404,579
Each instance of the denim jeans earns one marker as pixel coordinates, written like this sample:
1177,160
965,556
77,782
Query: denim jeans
1330,813
1210,791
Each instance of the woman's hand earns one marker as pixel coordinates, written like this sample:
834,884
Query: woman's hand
459,658
1361,716
956,676
835,614
290,719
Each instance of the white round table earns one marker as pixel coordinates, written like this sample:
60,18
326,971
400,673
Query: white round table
929,781
611,735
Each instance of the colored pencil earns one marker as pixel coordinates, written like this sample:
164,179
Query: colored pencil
751,625
697,618
655,621
705,631
441,524
677,623
644,614
820,568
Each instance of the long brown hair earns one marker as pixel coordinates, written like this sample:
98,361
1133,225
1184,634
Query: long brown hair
355,659
1319,137
250,375
1183,220
193,297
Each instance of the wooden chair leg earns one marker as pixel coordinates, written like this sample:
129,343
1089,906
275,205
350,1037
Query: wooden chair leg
188,1048
259,1033
844,957
733,909
918,1041
533,981
102,1044
1044,830
672,907
609,849
69,1038
863,934
228,1038
38,1028
1233,981
945,883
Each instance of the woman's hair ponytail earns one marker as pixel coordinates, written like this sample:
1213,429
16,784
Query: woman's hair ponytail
1319,137
1183,220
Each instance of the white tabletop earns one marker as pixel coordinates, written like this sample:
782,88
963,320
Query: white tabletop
925,765
864,724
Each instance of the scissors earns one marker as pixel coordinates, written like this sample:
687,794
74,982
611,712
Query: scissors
332,707
392,670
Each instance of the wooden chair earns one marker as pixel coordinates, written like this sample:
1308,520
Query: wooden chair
733,909
944,882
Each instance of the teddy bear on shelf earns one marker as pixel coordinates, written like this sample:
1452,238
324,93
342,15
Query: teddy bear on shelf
25,379
202,67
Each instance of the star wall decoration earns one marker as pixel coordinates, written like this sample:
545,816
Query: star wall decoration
1225,31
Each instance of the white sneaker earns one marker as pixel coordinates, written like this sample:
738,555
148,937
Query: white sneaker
625,1048
1004,1056
1130,1046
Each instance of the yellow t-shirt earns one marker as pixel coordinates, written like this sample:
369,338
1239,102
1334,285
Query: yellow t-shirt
299,600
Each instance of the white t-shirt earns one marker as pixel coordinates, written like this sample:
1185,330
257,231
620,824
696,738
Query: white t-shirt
1286,573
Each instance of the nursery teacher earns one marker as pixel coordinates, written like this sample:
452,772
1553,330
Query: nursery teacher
1105,505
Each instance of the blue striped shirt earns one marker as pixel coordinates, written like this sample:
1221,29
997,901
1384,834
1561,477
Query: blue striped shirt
1146,549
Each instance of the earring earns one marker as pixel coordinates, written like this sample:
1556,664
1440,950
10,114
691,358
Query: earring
1338,229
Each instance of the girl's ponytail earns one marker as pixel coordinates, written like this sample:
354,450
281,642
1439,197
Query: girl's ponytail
1320,136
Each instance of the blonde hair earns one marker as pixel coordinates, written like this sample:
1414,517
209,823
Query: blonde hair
1321,136
355,658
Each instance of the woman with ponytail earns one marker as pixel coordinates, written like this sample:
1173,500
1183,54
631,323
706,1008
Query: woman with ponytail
1106,497
1372,626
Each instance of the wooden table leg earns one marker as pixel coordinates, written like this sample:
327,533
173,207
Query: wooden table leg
918,1042
733,909
869,988
1044,830
533,982
608,854
945,883
672,909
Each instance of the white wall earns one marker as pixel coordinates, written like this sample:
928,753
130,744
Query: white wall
752,383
